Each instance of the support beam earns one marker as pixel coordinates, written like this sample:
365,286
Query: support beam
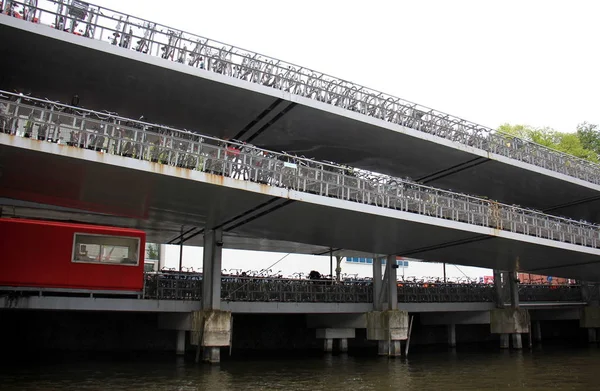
592,335
452,335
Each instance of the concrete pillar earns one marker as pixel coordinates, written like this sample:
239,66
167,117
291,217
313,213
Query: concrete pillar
382,348
395,348
389,348
377,282
180,350
504,341
328,335
499,296
162,254
211,270
392,282
211,285
211,354
328,345
517,341
592,335
343,345
514,289
452,335
537,331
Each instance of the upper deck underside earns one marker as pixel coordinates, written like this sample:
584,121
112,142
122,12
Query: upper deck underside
49,63
160,199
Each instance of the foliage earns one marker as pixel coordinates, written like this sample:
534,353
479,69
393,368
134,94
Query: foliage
152,251
589,134
584,144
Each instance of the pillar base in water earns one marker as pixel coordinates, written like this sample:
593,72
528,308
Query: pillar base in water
504,341
389,348
211,354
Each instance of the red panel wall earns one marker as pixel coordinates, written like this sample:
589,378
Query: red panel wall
38,253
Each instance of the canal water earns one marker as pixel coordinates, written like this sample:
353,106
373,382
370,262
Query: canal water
491,369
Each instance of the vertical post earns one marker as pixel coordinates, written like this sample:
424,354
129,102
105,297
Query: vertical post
504,341
328,345
445,272
377,283
537,332
211,273
343,345
392,287
181,250
592,335
338,269
211,284
514,289
162,253
452,335
514,303
499,296
180,342
331,264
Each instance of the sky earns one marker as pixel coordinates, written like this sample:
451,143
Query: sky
491,62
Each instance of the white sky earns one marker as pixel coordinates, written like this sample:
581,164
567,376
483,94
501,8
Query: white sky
530,62
491,62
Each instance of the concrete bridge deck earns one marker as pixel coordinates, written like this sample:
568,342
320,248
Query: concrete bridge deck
239,94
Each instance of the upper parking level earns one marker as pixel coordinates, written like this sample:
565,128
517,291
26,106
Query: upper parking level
108,164
138,67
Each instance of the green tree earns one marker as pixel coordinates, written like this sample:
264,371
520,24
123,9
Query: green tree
570,143
152,251
589,134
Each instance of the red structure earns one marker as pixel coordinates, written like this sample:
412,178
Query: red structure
528,278
65,255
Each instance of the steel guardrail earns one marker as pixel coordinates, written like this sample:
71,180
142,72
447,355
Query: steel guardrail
108,133
143,36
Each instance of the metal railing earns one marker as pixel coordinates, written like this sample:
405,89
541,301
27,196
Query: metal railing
172,286
537,292
143,36
53,122
444,293
188,286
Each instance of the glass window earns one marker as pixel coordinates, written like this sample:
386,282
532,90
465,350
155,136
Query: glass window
118,250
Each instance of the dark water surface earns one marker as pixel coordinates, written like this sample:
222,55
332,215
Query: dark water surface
541,369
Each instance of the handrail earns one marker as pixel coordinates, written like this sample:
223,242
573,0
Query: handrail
143,36
55,122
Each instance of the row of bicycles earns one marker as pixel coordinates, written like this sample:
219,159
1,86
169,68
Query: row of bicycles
267,286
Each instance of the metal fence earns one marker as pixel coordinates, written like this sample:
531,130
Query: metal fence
104,132
444,293
533,292
172,286
188,286
301,291
143,36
